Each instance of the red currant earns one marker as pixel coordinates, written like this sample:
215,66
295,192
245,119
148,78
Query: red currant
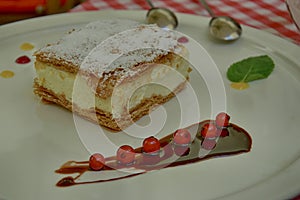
96,161
125,154
182,136
209,130
151,145
222,120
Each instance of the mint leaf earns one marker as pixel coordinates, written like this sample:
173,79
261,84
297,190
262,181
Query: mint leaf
250,69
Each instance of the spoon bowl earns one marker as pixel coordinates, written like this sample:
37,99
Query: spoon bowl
225,28
163,17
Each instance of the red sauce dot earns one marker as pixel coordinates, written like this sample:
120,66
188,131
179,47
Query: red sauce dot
183,39
23,60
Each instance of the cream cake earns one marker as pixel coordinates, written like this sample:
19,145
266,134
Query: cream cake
112,72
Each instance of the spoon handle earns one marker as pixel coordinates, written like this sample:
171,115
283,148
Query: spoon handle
206,6
150,3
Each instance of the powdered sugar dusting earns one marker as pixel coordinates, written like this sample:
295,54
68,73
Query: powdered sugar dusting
124,50
74,47
111,46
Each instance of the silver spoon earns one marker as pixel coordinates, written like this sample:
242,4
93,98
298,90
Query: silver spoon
222,27
163,17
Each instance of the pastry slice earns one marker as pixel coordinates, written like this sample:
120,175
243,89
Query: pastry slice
112,72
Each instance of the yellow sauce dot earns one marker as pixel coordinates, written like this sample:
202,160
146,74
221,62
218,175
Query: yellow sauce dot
7,74
240,85
26,46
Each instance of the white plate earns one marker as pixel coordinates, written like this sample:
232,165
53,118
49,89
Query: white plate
36,138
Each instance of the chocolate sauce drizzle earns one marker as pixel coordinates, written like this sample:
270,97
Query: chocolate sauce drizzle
236,141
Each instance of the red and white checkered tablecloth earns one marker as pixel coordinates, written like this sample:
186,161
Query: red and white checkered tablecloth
268,15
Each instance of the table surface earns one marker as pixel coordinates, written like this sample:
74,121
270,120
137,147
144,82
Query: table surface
268,15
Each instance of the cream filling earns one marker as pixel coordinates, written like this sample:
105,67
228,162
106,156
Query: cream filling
159,80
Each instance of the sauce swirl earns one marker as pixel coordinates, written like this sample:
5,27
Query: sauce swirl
7,74
240,85
23,60
26,46
171,155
